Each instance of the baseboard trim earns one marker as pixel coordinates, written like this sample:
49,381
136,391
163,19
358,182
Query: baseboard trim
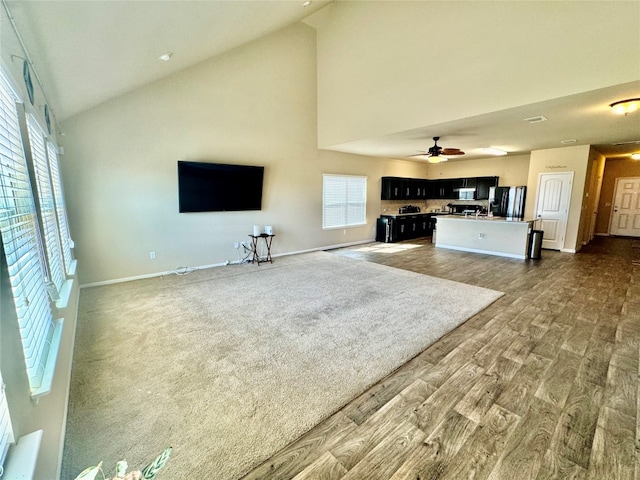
221,264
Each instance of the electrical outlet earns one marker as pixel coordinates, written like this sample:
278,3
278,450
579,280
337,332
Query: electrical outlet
152,255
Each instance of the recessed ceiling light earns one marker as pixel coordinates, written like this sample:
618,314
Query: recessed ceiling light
165,57
538,119
307,3
494,151
568,142
636,156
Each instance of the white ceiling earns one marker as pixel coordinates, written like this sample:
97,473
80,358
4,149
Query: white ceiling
87,52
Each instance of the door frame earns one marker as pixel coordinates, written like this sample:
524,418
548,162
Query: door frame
566,216
613,205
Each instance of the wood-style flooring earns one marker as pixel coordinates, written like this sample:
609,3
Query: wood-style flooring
543,384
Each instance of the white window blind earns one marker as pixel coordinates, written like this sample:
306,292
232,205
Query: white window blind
344,201
6,430
61,208
47,204
22,244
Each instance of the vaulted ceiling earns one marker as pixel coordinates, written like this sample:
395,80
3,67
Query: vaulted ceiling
88,52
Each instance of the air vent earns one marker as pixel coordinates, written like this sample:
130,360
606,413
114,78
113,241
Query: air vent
537,119
568,142
632,142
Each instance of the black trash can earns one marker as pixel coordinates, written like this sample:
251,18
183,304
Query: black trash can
535,244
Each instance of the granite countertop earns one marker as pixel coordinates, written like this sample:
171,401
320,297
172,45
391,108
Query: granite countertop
485,218
388,214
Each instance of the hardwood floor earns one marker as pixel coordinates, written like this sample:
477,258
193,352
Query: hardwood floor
543,384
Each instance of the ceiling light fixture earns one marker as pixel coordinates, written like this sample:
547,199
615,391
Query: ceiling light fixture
625,107
494,151
437,159
635,156
165,57
307,3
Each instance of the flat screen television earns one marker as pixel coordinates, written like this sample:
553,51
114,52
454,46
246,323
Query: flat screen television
217,187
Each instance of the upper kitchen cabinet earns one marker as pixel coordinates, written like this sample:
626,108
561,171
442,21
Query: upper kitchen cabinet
442,189
459,183
393,188
483,185
418,189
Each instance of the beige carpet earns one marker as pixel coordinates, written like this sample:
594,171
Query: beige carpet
230,364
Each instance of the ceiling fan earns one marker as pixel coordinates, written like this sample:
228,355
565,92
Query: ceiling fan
437,154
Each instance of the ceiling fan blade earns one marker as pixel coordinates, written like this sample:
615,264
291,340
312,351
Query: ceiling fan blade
451,151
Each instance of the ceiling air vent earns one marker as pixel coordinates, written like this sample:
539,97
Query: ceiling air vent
632,142
537,119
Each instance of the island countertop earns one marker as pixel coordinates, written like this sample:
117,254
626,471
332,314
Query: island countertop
485,218
489,235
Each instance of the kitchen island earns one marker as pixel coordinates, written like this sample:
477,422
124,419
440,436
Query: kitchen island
489,235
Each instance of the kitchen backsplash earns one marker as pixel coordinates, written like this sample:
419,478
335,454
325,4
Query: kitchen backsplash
427,206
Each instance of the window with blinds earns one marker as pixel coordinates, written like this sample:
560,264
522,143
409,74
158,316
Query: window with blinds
47,204
344,201
22,245
6,430
61,209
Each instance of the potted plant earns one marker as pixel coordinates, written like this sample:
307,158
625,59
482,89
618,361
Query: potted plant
147,473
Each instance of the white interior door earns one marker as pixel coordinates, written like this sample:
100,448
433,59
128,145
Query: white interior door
552,207
625,218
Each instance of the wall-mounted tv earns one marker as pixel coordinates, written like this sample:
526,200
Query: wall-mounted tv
217,187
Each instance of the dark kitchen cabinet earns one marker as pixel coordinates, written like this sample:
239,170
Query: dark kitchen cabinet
393,188
414,226
424,226
459,183
395,228
418,189
402,230
483,186
442,189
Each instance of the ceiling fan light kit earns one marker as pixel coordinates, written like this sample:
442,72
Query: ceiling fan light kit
437,154
625,107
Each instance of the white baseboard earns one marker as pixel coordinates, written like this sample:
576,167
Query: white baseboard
222,264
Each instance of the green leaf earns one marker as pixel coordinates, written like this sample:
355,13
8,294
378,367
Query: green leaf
149,472
90,473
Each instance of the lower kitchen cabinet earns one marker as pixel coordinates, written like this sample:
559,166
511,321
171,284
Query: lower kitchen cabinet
394,228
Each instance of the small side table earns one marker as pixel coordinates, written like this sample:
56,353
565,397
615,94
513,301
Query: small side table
268,239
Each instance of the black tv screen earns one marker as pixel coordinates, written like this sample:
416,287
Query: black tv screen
216,187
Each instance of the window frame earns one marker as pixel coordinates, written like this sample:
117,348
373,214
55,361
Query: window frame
353,200
22,237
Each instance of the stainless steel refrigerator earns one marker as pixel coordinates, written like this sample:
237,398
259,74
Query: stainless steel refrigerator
508,201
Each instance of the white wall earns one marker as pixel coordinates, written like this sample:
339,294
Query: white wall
388,66
255,105
512,170
557,160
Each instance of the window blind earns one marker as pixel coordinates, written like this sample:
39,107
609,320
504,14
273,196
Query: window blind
61,208
6,430
22,244
47,204
344,201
